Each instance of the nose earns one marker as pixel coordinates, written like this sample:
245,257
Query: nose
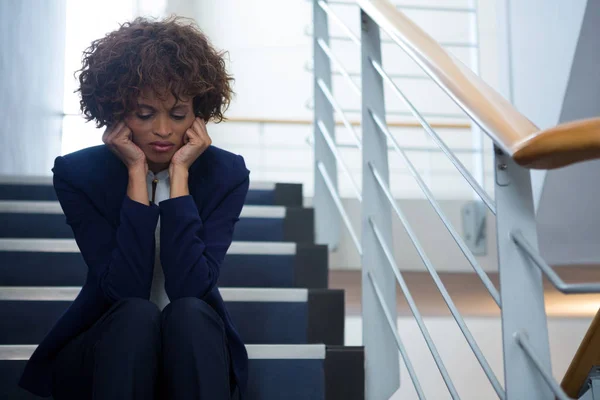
162,127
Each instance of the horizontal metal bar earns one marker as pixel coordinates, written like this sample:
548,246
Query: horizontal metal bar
339,205
437,9
70,246
429,195
352,37
255,351
309,105
394,328
523,341
440,285
436,138
309,68
415,311
338,110
410,7
562,286
69,293
337,64
411,149
337,20
333,148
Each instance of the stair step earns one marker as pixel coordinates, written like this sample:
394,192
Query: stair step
261,316
299,371
25,262
45,219
40,188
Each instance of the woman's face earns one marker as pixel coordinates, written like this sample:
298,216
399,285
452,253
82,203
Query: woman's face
158,127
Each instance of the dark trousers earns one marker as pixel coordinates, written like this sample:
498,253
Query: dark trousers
136,352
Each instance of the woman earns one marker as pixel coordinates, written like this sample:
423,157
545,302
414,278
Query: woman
153,212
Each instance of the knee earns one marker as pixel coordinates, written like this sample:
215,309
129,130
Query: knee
191,313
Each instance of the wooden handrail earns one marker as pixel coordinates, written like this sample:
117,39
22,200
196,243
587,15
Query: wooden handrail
587,355
529,146
399,124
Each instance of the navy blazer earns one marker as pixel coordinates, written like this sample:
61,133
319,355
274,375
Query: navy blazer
116,237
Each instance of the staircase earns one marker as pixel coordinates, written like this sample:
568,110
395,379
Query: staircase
274,281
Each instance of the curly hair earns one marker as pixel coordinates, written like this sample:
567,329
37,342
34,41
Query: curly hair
168,56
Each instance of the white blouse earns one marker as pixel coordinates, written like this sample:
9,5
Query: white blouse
158,295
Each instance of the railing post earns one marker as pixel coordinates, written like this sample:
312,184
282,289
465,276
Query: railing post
382,372
327,217
521,288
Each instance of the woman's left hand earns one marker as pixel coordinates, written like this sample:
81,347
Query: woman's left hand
196,141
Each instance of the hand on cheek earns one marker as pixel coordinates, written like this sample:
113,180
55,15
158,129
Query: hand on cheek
195,142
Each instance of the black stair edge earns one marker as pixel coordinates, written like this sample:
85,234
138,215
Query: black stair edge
17,192
326,312
345,373
299,225
311,266
288,194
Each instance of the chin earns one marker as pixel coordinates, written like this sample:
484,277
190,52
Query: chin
159,159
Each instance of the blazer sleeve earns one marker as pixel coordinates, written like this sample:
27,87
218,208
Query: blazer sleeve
192,250
120,260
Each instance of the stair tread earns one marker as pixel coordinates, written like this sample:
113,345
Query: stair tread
255,351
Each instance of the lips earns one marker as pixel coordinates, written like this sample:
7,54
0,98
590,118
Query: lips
161,146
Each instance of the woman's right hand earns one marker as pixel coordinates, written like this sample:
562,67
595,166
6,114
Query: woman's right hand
118,138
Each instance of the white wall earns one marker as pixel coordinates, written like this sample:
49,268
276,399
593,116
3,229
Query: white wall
569,217
541,36
31,69
466,373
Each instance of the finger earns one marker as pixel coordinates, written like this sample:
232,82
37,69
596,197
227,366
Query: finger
115,131
108,131
189,133
123,134
200,128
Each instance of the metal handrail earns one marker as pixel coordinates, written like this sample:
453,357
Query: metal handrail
308,67
523,342
429,195
401,348
309,105
562,286
327,50
414,149
334,150
440,285
325,90
338,21
411,7
351,38
339,205
455,161
415,311
441,9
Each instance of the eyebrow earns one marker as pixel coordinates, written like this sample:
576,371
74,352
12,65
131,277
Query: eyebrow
175,107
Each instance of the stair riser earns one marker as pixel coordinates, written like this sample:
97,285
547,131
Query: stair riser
267,380
306,268
296,226
27,322
281,195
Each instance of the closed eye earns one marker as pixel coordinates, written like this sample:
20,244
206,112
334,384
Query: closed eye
144,117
